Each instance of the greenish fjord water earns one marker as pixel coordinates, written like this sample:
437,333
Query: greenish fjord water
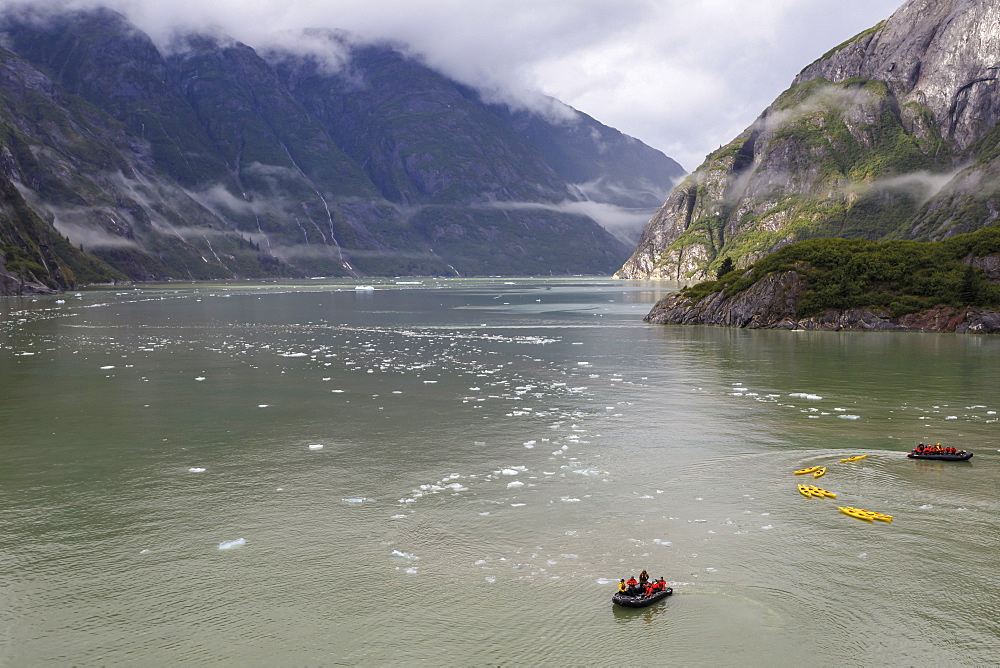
456,472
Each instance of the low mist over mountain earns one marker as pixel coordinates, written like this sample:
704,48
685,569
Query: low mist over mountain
892,135
332,157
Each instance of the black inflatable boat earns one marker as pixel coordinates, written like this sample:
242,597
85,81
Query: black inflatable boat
942,456
627,601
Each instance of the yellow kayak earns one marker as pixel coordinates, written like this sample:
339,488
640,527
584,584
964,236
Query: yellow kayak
811,491
855,512
821,471
811,469
853,459
865,514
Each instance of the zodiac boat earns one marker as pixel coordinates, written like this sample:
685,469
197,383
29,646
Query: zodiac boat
942,456
627,601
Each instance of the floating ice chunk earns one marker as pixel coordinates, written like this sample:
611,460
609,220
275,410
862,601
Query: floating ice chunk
196,469
409,556
951,417
849,417
357,500
811,397
105,368
316,446
509,472
517,505
926,506
200,378
263,405
767,526
516,483
144,552
229,544
568,499
412,570
294,354
60,301
863,555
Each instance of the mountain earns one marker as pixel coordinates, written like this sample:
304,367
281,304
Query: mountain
891,135
121,161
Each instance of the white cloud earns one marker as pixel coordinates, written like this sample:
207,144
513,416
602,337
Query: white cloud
684,77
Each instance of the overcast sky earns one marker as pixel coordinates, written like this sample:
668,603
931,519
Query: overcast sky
684,76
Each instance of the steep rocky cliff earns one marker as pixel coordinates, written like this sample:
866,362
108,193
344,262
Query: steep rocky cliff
892,135
215,160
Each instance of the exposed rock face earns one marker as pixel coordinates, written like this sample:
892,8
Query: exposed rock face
893,134
120,161
771,304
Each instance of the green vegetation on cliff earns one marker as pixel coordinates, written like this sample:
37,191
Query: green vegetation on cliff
901,276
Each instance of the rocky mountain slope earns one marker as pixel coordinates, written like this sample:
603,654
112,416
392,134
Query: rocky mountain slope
216,160
892,135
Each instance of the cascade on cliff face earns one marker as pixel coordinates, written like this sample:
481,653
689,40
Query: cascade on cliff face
892,135
215,161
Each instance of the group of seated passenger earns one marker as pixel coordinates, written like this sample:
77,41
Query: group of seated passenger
936,450
641,587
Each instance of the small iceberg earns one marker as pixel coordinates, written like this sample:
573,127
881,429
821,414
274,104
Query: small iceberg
316,446
196,469
229,544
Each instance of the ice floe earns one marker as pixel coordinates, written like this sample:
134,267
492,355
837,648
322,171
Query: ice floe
229,544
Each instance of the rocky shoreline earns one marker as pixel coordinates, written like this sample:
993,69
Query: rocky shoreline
771,304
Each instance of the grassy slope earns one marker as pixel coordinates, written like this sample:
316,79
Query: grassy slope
901,276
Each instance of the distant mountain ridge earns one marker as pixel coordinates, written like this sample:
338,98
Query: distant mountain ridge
892,135
216,161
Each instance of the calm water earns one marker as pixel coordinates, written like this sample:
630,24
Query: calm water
457,472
